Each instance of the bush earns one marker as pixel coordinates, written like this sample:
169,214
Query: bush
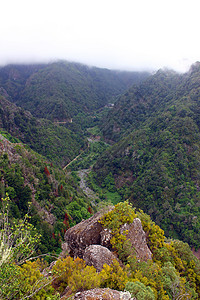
140,291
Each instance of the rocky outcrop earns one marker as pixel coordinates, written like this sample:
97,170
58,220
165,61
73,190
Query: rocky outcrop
90,232
103,294
84,234
97,256
137,238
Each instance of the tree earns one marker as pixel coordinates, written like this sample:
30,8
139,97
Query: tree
140,291
18,240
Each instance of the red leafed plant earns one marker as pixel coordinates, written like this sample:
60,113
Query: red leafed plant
46,171
90,209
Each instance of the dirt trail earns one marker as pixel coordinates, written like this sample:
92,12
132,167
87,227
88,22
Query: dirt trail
72,161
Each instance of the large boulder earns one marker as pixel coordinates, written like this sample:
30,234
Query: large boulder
97,256
90,232
105,294
84,234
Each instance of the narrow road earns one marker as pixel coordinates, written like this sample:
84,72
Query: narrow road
72,161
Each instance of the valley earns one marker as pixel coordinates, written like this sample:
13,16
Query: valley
67,155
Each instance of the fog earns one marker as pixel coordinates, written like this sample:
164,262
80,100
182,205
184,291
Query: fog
128,34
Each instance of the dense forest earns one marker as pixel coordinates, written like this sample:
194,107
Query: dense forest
56,143
61,90
156,166
52,197
135,137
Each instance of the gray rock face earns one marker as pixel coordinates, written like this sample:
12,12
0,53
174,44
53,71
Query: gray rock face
137,238
90,232
84,234
97,256
106,235
103,294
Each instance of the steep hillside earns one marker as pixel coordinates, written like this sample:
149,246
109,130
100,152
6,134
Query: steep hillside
56,143
139,103
157,166
58,91
53,199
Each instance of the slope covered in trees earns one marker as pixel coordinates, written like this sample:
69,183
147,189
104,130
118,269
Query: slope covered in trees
157,166
55,142
52,198
149,99
58,91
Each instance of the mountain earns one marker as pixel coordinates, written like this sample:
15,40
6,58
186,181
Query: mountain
56,143
139,103
156,166
59,91
155,163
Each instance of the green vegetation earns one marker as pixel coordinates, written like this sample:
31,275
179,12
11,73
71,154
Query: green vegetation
156,166
154,161
55,200
89,156
173,273
94,131
123,213
139,290
18,241
140,103
61,90
57,143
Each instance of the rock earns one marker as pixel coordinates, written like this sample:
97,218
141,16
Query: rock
84,234
106,235
97,256
65,250
90,232
103,294
47,216
137,238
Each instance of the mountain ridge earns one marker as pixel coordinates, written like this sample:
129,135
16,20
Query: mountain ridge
60,90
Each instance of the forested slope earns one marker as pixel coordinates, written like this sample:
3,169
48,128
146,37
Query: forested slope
60,90
157,166
52,198
148,100
56,143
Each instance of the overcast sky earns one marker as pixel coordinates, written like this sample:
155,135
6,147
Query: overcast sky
117,34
